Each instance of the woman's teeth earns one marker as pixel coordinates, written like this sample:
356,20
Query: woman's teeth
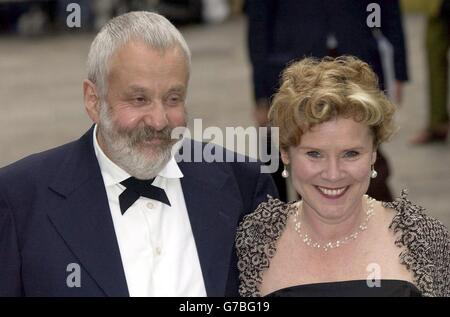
332,192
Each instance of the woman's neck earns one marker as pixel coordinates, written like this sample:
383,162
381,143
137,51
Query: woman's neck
323,230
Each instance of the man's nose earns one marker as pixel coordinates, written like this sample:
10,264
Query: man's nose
156,116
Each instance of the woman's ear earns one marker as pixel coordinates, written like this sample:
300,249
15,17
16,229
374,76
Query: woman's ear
374,156
285,156
91,100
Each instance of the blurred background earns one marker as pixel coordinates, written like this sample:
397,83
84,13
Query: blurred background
42,65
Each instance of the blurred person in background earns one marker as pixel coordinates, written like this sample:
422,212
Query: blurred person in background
437,43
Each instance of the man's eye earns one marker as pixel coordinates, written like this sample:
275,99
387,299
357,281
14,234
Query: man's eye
313,154
351,154
174,99
140,99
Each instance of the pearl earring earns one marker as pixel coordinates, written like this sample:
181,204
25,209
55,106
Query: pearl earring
374,173
285,173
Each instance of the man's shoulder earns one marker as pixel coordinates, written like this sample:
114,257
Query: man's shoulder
38,163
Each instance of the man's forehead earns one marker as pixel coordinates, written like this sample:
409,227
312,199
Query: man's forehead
139,59
134,88
137,46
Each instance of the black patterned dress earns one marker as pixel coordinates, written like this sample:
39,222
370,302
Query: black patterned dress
426,243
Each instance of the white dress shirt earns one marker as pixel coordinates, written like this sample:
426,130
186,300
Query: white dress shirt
156,243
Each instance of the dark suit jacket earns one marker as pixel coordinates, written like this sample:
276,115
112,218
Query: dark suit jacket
54,211
282,31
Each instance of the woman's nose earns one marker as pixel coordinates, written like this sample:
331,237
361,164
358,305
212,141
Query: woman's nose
331,170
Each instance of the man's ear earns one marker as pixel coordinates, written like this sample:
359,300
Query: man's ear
91,100
285,156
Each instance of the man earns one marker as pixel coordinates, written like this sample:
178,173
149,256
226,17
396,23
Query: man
80,219
280,32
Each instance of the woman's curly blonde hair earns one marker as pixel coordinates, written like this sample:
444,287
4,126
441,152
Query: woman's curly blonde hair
315,91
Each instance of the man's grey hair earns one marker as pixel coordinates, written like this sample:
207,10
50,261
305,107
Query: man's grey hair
151,28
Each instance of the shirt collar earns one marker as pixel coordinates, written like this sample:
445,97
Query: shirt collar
113,174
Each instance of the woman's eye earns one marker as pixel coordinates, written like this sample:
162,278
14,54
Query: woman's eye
313,154
351,154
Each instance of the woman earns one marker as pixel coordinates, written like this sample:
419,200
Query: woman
337,241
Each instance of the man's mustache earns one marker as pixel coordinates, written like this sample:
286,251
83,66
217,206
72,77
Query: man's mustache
145,133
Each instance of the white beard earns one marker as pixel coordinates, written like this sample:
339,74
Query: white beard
128,149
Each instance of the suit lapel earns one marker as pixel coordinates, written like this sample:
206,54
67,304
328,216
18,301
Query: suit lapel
213,208
80,213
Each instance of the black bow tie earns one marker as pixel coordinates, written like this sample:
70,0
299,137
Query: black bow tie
136,188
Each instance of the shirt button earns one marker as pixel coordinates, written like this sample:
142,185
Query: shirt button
150,205
158,251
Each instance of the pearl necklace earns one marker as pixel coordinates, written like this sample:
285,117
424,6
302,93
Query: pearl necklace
333,244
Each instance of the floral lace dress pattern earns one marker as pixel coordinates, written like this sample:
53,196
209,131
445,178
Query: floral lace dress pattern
426,244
